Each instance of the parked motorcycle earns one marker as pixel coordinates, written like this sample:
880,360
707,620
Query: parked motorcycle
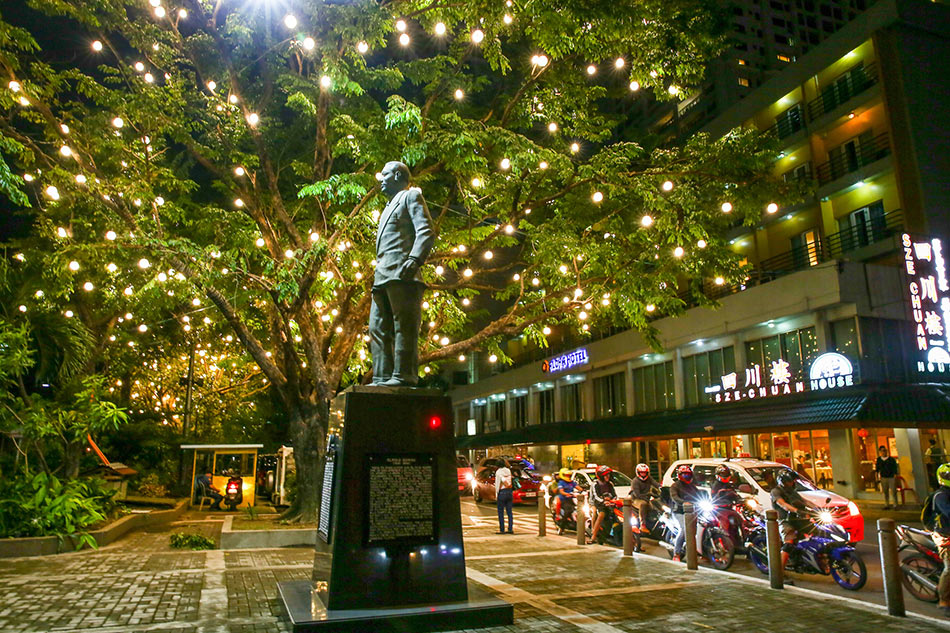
920,571
234,492
825,550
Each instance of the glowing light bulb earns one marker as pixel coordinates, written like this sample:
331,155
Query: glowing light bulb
144,263
14,86
461,358
439,270
232,99
309,43
110,235
667,186
507,19
128,291
505,163
289,253
404,39
493,358
62,232
88,287
575,147
546,330
650,307
468,272
52,192
66,150
239,171
314,237
509,229
111,267
634,86
400,25
290,21
148,78
439,28
362,47
772,208
182,13
542,61
259,241
253,118
159,12
459,94
488,254
68,314
597,197
535,281
720,281
238,203
74,265
477,36
726,207
97,46
24,101
619,62
143,328
678,251
476,182
552,127
701,243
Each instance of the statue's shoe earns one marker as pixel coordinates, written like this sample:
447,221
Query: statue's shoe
396,382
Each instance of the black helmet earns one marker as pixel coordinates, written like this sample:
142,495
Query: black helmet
786,477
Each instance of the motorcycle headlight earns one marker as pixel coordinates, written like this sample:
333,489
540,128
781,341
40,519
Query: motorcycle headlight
705,506
469,476
666,508
853,509
825,517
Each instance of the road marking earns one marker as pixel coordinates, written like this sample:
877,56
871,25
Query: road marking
513,594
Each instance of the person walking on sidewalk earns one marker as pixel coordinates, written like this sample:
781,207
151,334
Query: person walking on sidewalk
504,497
940,526
886,469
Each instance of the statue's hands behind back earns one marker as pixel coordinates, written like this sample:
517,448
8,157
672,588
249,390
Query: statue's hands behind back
408,269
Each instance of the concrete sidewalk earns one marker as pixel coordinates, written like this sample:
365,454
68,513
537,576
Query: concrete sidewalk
141,585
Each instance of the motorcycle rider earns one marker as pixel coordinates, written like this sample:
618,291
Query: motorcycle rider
565,491
941,534
723,495
682,491
601,493
788,503
641,491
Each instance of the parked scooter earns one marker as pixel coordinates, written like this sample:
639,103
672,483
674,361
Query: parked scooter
234,491
920,571
826,550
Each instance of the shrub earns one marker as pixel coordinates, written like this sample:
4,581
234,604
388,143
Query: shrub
46,506
190,540
251,512
150,486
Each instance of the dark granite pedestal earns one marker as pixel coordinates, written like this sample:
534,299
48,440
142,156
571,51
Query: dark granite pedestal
390,523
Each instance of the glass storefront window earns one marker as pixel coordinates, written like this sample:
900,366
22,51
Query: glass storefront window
797,348
657,454
844,335
571,402
610,396
546,406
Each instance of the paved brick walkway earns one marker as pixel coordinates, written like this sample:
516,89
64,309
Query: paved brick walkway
141,585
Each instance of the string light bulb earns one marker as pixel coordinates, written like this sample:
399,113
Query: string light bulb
110,235
362,47
459,94
726,207
720,281
97,46
309,43
646,221
678,251
253,118
507,19
88,286
505,163
290,21
772,208
575,147
401,25
440,28
592,70
183,13
668,186
619,63
701,243
52,192
144,263
552,127
325,81
477,36
74,265
404,39
239,171
634,86
597,197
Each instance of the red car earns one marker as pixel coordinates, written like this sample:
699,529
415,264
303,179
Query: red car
527,482
465,474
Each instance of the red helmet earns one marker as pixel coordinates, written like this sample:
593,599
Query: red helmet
685,474
643,471
603,472
724,474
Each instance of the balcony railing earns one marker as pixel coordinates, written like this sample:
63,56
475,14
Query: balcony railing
854,83
850,161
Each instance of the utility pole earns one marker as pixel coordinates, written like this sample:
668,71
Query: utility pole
189,387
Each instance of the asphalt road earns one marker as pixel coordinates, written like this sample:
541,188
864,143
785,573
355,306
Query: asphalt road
526,521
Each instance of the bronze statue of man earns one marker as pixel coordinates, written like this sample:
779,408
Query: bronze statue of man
403,241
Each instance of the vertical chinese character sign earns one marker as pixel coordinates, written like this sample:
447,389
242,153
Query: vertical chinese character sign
928,292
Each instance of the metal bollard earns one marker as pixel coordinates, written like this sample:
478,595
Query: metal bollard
774,546
581,519
890,567
692,560
628,527
542,514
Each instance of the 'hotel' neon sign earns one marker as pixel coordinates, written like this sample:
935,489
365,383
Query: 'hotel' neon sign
566,361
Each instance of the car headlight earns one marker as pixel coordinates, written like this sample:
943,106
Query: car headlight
825,517
853,509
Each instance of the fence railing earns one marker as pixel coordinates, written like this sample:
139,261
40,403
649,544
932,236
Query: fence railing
850,161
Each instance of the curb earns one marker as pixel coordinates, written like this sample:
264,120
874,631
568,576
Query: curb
264,539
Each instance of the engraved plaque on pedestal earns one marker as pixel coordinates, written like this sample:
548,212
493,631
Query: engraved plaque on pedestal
402,502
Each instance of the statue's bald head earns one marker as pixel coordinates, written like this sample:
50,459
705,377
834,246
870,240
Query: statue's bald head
394,178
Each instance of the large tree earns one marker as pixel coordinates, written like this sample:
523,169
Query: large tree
236,143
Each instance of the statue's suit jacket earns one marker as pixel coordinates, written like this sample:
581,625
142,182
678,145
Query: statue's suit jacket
405,230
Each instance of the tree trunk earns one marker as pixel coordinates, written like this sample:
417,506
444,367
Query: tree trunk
308,428
72,454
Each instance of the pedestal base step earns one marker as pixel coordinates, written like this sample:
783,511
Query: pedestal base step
308,613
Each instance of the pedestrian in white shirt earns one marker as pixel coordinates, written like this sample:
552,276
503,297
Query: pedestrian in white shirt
504,497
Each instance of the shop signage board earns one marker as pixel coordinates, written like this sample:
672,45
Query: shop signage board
928,292
827,371
567,361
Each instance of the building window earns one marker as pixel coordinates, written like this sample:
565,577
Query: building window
480,413
790,121
844,337
519,412
704,370
653,388
741,62
797,348
461,420
805,249
610,397
862,226
784,58
496,415
571,402
546,406
801,172
883,357
743,82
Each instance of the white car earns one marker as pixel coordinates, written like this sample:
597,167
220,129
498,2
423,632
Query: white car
585,478
760,476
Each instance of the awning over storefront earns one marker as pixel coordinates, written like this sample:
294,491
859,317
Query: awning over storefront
898,405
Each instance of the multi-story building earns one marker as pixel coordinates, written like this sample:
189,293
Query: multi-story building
838,342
